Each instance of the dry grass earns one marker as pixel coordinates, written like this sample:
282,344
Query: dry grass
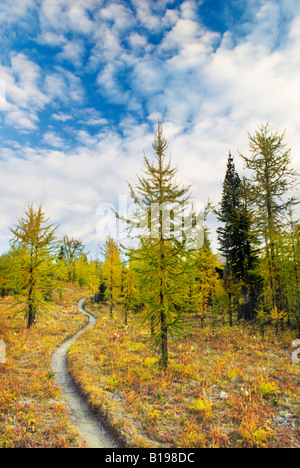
222,389
32,413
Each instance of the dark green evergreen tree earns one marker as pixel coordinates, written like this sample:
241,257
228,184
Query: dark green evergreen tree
235,240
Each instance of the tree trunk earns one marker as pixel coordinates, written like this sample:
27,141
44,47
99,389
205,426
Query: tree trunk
230,310
111,307
31,309
164,341
126,315
152,327
31,318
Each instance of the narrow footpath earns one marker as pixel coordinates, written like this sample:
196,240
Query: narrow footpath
81,417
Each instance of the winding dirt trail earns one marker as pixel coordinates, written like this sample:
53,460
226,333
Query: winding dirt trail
81,417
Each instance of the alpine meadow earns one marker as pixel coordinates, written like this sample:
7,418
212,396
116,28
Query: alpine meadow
150,235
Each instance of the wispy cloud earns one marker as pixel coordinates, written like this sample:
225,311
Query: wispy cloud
63,86
23,95
19,10
53,140
64,16
61,117
73,52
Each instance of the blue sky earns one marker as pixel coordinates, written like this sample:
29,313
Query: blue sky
84,82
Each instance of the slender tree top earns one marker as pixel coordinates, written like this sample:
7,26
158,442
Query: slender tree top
159,185
231,198
72,248
270,159
272,176
32,231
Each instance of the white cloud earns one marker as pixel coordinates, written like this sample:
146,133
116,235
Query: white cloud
63,16
208,90
23,96
53,140
137,40
71,184
189,9
62,117
119,15
109,85
153,16
25,91
56,86
18,118
74,52
94,122
107,47
51,39
12,12
64,86
78,16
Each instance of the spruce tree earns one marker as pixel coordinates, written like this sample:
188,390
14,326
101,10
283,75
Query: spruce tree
230,206
235,240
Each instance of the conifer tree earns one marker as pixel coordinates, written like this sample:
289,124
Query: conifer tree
4,274
82,270
111,272
290,270
235,240
33,245
271,180
94,277
71,250
161,259
207,279
61,272
130,297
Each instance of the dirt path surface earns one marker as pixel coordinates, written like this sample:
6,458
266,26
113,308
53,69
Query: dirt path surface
81,417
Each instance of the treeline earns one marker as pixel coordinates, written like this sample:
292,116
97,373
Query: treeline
257,278
169,275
